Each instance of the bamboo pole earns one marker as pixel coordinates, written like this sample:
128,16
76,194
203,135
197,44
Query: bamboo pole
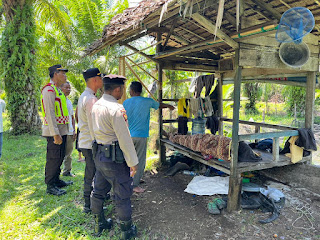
136,65
122,71
139,79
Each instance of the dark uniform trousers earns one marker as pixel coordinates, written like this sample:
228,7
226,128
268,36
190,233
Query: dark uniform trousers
55,156
116,175
89,172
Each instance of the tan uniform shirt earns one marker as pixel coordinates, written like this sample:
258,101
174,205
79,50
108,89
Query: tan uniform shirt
110,124
49,97
85,103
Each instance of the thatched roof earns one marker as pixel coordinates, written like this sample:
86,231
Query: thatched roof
129,20
185,31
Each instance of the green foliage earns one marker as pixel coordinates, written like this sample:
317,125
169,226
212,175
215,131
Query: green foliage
85,20
295,100
18,64
227,93
253,92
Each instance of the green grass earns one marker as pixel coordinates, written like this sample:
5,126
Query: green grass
26,211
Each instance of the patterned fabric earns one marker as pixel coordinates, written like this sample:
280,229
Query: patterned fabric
207,144
60,120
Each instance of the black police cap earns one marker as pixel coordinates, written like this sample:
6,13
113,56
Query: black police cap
57,67
91,72
113,79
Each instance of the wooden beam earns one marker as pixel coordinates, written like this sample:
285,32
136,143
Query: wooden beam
310,96
144,62
169,34
268,57
122,71
188,67
191,32
268,8
264,72
220,103
235,177
258,124
231,19
254,136
135,37
162,150
152,45
139,79
180,39
136,65
211,28
141,53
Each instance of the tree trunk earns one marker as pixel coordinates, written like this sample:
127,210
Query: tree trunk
18,66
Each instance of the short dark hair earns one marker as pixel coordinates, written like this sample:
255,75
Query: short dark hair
136,87
111,87
51,74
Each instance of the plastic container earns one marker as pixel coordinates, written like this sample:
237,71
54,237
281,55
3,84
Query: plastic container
190,173
198,125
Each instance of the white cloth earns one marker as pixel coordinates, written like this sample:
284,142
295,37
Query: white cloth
70,111
2,108
201,185
85,103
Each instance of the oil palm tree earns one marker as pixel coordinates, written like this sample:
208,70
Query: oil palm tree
62,29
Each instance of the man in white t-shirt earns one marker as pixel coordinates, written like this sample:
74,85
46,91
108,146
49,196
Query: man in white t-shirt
71,136
2,108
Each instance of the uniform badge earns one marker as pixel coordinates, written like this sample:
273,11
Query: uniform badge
124,114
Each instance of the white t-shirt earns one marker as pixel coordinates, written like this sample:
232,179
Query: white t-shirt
70,111
2,108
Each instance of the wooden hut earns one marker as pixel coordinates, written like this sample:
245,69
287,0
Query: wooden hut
244,48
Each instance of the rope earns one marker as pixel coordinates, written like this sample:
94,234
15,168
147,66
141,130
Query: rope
304,210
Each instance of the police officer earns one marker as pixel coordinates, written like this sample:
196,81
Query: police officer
115,157
93,80
55,128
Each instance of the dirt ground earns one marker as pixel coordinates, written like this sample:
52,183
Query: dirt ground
165,211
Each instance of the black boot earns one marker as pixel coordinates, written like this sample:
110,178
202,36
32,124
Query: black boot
128,230
86,207
52,189
101,223
60,183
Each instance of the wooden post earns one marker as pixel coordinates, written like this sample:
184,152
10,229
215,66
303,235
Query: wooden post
162,148
256,130
220,103
310,96
275,149
235,183
122,71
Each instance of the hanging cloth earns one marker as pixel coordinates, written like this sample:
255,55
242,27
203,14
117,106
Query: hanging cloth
184,107
208,109
206,81
195,104
182,125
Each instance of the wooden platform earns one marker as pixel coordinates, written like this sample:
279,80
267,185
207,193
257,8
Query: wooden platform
224,166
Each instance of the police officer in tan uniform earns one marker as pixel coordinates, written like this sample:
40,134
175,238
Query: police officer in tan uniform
55,128
115,157
94,82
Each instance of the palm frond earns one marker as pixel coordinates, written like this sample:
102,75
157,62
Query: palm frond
46,11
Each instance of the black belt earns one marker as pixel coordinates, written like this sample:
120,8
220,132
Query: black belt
112,151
